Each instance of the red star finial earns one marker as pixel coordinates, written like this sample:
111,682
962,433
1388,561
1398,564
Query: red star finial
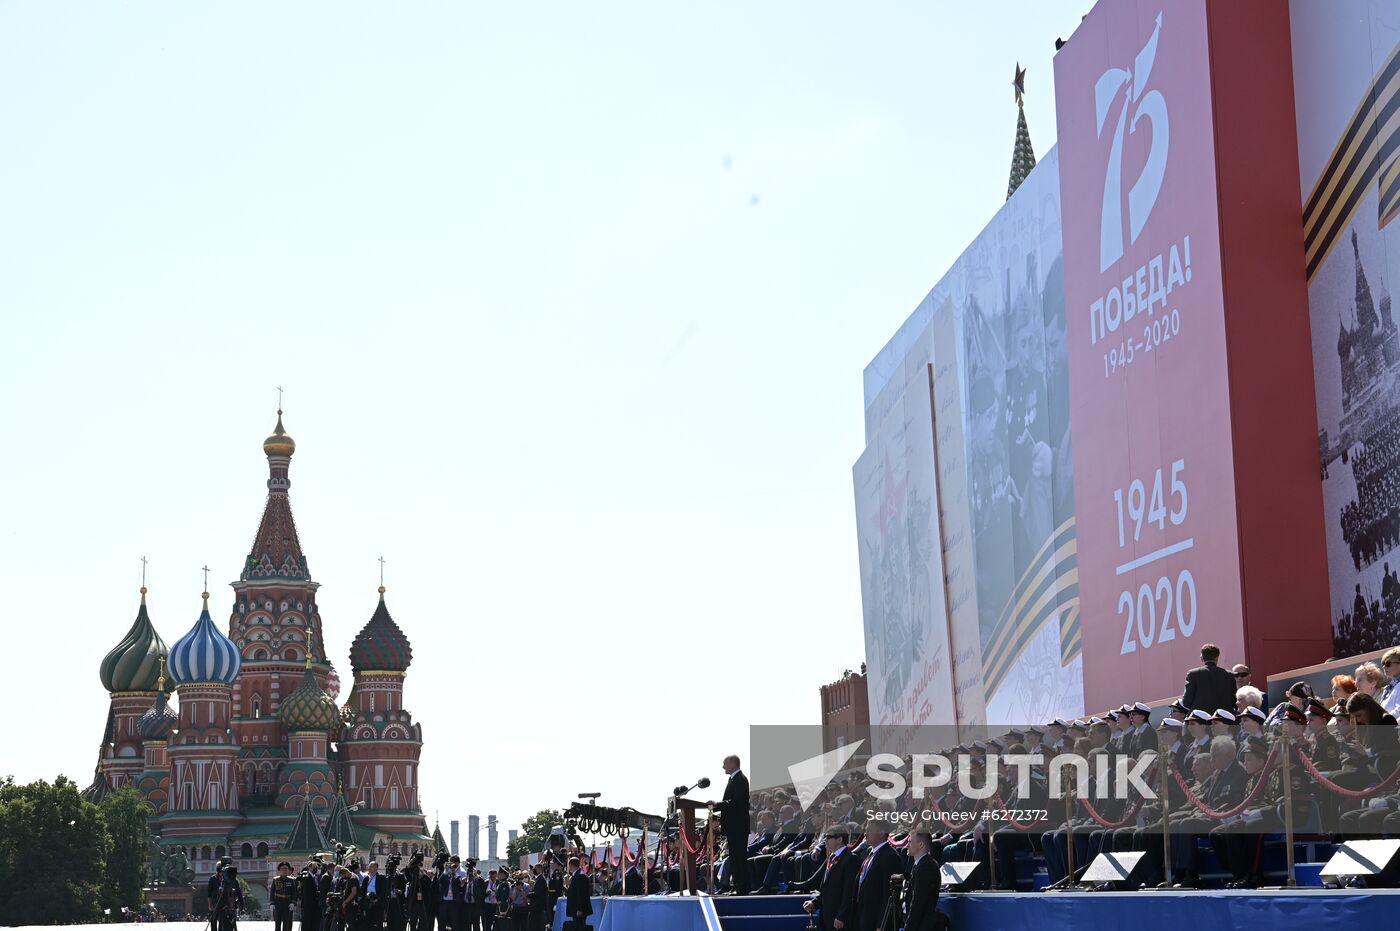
1019,82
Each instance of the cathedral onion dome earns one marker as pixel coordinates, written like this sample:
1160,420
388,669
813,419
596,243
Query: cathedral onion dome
160,720
308,708
132,666
204,654
279,444
380,646
332,682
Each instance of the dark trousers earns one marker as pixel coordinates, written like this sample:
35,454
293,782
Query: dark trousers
471,917
310,916
739,864
447,915
488,916
281,918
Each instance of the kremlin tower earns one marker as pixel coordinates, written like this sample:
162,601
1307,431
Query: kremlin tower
253,757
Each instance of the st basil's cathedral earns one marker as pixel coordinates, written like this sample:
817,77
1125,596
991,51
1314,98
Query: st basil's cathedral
236,739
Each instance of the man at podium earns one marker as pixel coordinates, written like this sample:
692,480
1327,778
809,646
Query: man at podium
734,824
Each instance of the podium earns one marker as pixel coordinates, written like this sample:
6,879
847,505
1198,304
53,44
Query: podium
686,808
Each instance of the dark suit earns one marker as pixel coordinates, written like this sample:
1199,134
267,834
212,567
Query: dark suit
921,888
837,896
873,886
1209,688
372,912
734,824
580,902
632,882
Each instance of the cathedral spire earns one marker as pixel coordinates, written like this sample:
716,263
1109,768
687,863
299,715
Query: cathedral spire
1366,318
1023,155
276,551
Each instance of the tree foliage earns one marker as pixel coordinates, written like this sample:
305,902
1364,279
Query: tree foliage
126,814
65,860
534,833
54,849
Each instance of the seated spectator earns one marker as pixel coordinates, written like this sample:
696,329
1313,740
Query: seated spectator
1370,680
1248,697
1343,687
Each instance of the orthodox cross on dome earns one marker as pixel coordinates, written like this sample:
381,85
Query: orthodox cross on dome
381,573
143,571
206,581
279,399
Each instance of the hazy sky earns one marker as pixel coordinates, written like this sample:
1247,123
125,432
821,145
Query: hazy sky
571,303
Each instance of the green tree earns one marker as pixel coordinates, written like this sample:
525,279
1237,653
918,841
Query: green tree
54,847
126,814
534,833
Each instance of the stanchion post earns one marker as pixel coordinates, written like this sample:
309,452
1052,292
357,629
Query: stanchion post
991,852
1164,776
710,849
1069,836
1289,879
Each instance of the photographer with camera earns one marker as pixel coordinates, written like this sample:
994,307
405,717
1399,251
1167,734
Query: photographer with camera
395,886
473,897
413,895
342,901
226,900
283,893
450,881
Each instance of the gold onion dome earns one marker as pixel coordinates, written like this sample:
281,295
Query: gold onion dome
133,665
308,708
279,443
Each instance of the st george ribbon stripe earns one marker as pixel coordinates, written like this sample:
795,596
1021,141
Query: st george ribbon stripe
1367,148
1155,555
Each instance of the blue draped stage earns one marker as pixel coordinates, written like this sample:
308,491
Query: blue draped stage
1217,910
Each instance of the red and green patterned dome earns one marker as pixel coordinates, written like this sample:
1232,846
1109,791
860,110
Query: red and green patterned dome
134,664
308,708
380,646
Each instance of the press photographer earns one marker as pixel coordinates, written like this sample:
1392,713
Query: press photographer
226,897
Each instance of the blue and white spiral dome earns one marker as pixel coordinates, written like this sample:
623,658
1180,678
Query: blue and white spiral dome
204,654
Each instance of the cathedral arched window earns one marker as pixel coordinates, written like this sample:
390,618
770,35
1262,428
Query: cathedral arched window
204,853
220,852
257,706
246,851
289,653
262,850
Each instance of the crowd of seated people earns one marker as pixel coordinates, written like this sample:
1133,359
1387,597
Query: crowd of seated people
1224,791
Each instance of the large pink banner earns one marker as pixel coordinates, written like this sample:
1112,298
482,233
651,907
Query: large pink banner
1159,570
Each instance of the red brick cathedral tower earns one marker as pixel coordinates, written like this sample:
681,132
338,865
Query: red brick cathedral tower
275,625
381,744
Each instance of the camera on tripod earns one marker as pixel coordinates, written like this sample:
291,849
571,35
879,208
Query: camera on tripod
440,861
391,865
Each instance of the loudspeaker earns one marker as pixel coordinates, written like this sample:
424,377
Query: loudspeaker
955,874
1365,858
1114,867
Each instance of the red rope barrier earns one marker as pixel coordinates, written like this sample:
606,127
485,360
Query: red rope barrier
1254,794
1103,822
1335,789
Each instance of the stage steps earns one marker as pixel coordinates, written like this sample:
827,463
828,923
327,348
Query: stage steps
761,912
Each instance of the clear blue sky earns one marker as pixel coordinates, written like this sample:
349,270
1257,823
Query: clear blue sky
571,303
